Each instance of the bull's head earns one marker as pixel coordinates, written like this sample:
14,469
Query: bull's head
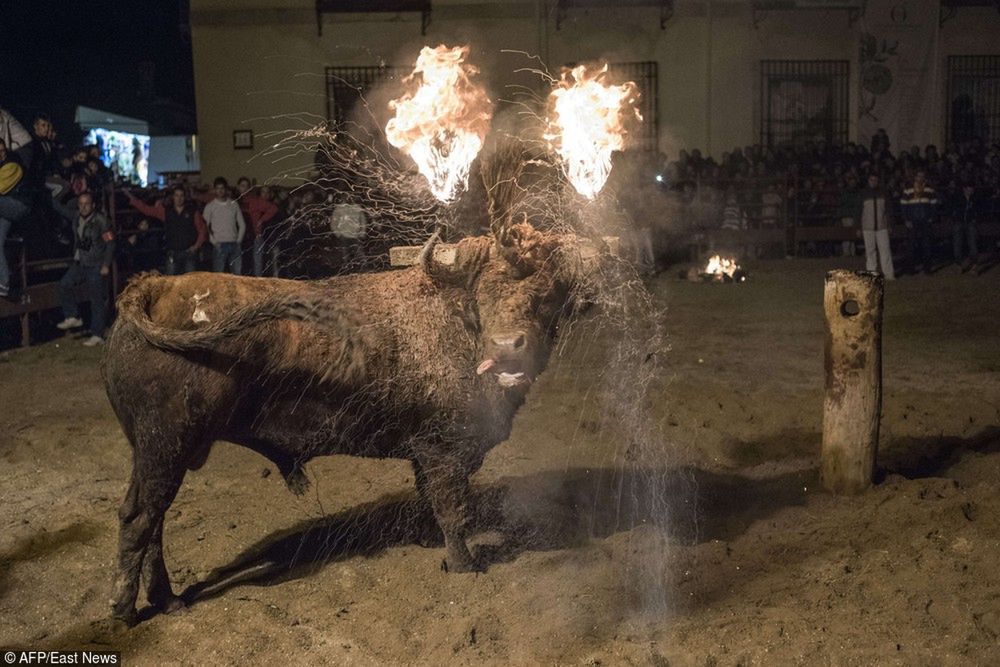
521,284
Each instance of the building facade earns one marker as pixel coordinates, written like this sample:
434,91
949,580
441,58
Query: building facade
715,74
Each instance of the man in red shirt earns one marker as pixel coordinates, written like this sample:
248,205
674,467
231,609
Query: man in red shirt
184,230
259,212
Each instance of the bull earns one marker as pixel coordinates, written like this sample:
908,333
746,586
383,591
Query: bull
427,363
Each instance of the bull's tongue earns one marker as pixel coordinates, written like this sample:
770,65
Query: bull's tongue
485,366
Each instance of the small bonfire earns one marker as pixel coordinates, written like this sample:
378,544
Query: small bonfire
718,270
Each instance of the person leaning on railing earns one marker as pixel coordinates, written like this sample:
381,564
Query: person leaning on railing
184,230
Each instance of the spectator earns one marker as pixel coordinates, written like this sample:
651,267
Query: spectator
271,232
226,228
15,137
260,212
93,251
732,215
94,177
44,160
14,205
184,230
875,229
348,226
850,211
919,204
770,209
967,209
143,249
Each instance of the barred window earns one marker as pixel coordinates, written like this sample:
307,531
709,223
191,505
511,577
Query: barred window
973,98
804,100
644,74
345,87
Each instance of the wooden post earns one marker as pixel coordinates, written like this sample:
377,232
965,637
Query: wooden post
853,405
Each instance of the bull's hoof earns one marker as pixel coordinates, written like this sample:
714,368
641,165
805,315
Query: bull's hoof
171,605
297,481
462,565
121,620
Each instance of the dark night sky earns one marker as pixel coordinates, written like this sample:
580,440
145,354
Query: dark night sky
55,55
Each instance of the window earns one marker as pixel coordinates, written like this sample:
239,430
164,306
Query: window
804,100
973,98
644,74
345,86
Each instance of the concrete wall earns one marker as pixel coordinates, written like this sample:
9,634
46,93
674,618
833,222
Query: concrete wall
262,66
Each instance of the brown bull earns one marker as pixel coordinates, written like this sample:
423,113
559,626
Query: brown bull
427,364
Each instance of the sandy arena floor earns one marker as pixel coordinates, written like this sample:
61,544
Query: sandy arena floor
762,566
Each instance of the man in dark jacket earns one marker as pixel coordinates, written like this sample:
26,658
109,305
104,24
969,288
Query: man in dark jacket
93,251
966,210
919,204
184,230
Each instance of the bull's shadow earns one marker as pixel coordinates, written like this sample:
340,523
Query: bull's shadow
545,511
563,509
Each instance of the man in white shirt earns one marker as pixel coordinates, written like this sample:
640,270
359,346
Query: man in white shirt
13,133
226,228
348,224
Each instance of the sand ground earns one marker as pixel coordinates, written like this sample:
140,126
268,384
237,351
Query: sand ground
757,566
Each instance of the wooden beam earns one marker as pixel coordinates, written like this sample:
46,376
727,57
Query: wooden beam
852,408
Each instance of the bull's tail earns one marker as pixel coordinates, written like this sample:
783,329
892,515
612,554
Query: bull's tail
138,296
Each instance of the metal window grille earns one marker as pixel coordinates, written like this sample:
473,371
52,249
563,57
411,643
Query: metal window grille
804,100
646,136
345,86
973,98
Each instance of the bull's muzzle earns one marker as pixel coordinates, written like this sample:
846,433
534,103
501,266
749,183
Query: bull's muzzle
507,357
509,343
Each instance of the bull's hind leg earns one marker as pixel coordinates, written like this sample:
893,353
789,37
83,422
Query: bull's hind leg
154,571
155,481
446,485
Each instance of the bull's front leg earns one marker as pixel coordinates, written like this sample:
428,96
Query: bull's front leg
445,483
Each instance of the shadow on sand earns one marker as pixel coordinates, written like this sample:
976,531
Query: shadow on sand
563,509
546,511
549,511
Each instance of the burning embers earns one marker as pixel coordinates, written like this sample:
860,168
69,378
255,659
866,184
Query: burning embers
721,267
442,119
718,270
586,124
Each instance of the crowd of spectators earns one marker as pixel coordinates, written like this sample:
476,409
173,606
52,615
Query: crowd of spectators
819,184
64,193
247,229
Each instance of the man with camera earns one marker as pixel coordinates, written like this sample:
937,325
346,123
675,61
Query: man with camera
93,250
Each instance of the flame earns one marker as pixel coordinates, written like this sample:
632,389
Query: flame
719,267
586,124
442,119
